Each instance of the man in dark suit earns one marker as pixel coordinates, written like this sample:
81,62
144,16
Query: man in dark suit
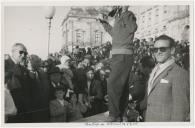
55,78
40,90
19,85
168,86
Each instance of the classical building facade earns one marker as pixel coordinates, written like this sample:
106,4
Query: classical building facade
164,19
80,27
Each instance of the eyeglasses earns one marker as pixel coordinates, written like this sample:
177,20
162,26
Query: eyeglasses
23,52
162,49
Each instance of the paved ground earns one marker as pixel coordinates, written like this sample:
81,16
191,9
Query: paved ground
97,118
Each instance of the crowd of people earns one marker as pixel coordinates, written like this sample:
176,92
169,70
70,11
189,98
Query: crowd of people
69,86
132,79
63,88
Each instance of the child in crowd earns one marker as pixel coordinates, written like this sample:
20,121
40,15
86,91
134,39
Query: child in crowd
77,108
59,108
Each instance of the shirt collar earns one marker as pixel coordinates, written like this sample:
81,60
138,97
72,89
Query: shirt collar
55,85
14,60
167,63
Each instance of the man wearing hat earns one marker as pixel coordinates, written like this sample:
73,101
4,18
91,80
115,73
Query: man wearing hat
55,76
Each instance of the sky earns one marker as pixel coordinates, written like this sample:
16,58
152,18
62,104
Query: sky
27,25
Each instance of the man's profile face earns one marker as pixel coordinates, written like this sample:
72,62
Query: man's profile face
19,54
162,50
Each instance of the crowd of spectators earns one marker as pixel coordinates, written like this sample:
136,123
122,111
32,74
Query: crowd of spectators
73,85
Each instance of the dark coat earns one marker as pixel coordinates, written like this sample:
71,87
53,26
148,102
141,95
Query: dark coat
80,80
20,89
138,87
40,97
97,104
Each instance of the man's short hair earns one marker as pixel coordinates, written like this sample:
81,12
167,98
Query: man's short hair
16,45
165,37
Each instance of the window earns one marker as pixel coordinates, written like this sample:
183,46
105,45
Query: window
156,16
97,37
143,19
78,36
149,19
157,12
165,9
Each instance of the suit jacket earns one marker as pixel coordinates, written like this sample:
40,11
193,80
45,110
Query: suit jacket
96,91
40,88
19,85
40,96
168,99
58,112
137,87
20,89
79,80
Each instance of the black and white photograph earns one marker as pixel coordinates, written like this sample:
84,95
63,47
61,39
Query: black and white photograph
97,64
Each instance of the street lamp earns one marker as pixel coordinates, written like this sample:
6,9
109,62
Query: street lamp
72,24
49,13
83,38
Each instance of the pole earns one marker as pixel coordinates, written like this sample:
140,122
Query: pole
72,36
66,35
90,34
83,38
49,35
